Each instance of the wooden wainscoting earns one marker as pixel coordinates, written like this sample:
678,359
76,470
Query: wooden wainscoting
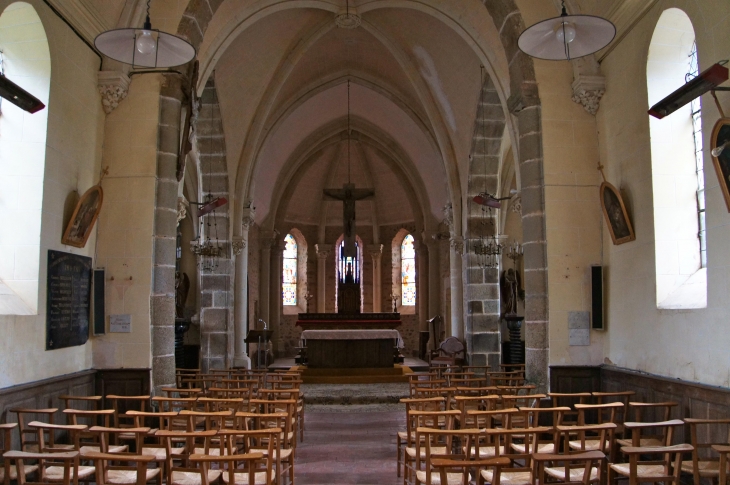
44,394
572,378
123,382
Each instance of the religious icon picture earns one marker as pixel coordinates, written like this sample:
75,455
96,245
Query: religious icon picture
614,210
83,219
720,143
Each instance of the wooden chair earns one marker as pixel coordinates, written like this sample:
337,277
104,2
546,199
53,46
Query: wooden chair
89,403
28,435
436,461
64,467
532,420
89,440
580,468
265,441
521,472
11,471
724,452
177,392
472,403
183,474
249,474
570,400
451,352
705,434
490,420
55,472
525,390
661,435
479,370
610,397
666,469
597,414
109,474
515,378
122,404
444,420
154,446
432,404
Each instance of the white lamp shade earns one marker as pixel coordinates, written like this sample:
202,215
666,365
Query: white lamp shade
591,35
120,45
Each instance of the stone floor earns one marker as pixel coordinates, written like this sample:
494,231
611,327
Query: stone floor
349,445
390,393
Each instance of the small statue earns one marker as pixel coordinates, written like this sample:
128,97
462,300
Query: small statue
510,286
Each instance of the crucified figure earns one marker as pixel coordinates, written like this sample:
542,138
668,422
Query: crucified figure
348,195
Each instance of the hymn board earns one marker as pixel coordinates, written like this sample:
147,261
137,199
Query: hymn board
67,300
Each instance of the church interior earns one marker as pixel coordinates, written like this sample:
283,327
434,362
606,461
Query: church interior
348,202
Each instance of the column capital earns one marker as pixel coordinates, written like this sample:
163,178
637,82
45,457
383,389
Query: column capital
248,217
457,244
375,250
113,87
588,91
268,239
238,244
323,250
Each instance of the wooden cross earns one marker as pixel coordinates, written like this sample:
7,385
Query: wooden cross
348,195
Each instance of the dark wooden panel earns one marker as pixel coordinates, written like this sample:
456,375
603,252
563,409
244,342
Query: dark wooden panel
570,379
123,382
348,354
43,394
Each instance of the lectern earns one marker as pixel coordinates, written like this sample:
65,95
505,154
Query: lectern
260,338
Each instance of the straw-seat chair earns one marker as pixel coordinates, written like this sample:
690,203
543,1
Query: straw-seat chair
12,471
63,466
666,470
109,474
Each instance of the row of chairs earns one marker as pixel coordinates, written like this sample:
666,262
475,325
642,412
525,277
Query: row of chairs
236,402
606,434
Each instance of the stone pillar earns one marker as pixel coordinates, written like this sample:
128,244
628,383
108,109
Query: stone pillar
322,253
434,279
240,314
422,284
535,246
457,287
163,269
376,252
265,271
275,298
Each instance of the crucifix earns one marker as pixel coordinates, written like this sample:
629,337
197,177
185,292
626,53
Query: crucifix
348,195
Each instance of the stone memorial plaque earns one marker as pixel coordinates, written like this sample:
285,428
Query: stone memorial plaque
68,299
120,323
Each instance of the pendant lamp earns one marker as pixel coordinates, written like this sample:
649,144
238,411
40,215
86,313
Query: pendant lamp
145,47
566,37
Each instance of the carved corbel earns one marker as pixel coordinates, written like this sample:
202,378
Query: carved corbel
588,91
238,245
113,87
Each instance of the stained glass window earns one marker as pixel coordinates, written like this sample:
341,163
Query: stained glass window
289,286
408,271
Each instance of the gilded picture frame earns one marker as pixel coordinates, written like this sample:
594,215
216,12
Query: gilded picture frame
720,136
82,221
614,211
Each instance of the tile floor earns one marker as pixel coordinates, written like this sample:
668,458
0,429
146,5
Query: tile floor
343,448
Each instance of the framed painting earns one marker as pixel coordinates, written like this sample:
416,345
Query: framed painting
721,138
83,219
614,210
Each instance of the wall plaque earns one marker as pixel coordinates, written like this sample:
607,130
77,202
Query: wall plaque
68,300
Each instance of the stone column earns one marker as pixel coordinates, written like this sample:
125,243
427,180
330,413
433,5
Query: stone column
376,252
275,298
265,271
457,287
434,279
163,283
240,314
322,253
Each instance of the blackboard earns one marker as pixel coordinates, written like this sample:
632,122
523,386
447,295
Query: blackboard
68,300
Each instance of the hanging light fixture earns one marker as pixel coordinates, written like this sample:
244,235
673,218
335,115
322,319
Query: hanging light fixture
145,47
566,37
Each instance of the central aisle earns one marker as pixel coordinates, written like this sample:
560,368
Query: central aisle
353,447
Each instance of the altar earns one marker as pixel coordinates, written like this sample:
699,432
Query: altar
349,349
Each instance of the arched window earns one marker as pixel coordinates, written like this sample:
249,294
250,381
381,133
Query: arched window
289,286
408,271
26,60
677,173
